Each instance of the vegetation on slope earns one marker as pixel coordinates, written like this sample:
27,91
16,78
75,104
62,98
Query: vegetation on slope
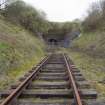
19,51
19,12
91,43
93,69
92,39
93,31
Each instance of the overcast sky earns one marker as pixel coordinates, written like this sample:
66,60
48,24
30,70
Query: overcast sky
62,10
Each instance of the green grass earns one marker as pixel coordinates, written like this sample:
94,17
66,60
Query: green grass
91,42
92,68
3,45
20,50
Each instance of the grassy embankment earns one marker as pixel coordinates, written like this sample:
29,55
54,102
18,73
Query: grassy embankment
88,53
19,52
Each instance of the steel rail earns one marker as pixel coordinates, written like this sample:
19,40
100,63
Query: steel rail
14,95
73,84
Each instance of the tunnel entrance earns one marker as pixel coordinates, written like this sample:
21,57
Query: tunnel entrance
53,42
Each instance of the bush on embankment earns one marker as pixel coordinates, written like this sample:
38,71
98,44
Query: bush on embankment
19,12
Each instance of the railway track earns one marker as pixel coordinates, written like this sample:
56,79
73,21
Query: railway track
54,81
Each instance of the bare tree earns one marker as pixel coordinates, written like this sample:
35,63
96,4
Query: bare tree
102,4
94,17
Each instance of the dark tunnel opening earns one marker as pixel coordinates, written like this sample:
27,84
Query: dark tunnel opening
53,42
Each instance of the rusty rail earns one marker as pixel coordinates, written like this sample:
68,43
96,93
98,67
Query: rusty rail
14,95
73,84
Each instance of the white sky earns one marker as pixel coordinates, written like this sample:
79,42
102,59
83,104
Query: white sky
62,10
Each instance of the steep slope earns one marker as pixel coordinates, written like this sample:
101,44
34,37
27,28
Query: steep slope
19,51
88,53
92,43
